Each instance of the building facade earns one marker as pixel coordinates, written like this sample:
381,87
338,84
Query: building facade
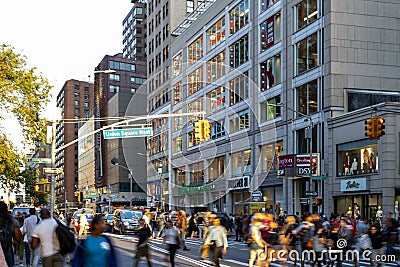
134,32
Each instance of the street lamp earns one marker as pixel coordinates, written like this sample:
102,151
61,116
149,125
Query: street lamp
309,136
114,161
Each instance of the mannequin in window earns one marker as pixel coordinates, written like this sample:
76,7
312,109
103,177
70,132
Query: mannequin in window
379,215
270,75
354,166
349,213
346,164
365,164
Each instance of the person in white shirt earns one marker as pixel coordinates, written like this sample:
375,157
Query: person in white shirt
83,223
45,234
31,255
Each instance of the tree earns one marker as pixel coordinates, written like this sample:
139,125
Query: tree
24,95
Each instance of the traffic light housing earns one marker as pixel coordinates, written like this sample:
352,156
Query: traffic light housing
370,128
206,129
314,165
199,130
380,127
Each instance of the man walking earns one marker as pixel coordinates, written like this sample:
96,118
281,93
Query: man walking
45,234
217,240
142,249
31,255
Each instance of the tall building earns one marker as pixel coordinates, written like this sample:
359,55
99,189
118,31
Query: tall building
162,17
75,99
113,76
134,32
282,79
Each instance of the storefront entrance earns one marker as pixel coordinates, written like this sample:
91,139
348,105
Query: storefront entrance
358,205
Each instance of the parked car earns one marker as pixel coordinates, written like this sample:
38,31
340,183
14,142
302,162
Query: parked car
21,210
89,215
126,221
109,220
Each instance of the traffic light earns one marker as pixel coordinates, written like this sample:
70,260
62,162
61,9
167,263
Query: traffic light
206,129
370,128
314,165
380,127
37,188
199,130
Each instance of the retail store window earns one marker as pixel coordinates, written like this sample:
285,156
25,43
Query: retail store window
270,72
239,16
239,121
270,109
216,168
265,4
270,31
360,157
239,88
216,34
307,54
241,163
305,13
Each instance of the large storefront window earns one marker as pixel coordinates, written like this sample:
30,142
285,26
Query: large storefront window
271,31
270,72
195,51
216,67
265,4
215,100
239,52
306,12
195,81
241,163
239,88
177,64
197,173
356,205
216,34
269,156
307,54
357,158
239,121
239,16
270,109
177,90
307,98
217,168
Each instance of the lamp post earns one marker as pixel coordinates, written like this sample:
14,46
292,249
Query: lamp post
160,171
309,136
114,161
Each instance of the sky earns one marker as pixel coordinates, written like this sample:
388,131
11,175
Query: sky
63,39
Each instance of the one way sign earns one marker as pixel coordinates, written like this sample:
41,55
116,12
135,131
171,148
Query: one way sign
311,194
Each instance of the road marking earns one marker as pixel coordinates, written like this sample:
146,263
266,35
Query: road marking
237,262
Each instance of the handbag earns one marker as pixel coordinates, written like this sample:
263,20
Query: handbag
283,240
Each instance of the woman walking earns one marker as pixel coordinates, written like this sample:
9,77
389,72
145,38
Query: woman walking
173,240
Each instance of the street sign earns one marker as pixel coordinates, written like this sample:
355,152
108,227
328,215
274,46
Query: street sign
311,194
52,170
304,200
127,133
40,160
256,196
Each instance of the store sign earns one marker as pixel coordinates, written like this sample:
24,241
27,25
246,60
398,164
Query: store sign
194,189
239,183
256,196
284,162
303,165
350,185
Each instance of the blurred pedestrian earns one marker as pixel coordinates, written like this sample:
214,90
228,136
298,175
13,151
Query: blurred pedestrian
161,224
44,233
173,240
97,250
217,240
19,244
193,230
182,226
31,256
83,224
239,228
11,231
142,249
256,243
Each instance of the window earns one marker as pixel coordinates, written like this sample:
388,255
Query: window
241,163
178,120
216,34
239,121
215,100
357,100
133,90
189,6
114,77
270,31
359,157
196,173
177,64
177,91
270,72
76,95
216,67
178,144
218,129
86,104
195,51
115,65
306,12
265,4
114,88
269,156
76,110
138,11
239,89
239,52
180,177
307,54
86,89
195,106
217,168
307,98
76,103
192,140
239,16
76,86
270,110
195,81
86,97
138,80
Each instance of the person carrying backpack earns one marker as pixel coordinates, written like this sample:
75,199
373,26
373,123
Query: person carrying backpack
9,229
45,234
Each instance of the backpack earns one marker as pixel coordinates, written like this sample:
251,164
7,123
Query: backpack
6,234
65,238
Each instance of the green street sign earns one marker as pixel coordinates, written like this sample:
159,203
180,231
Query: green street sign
319,178
40,160
127,133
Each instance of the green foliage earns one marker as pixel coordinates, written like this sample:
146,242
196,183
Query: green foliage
10,162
